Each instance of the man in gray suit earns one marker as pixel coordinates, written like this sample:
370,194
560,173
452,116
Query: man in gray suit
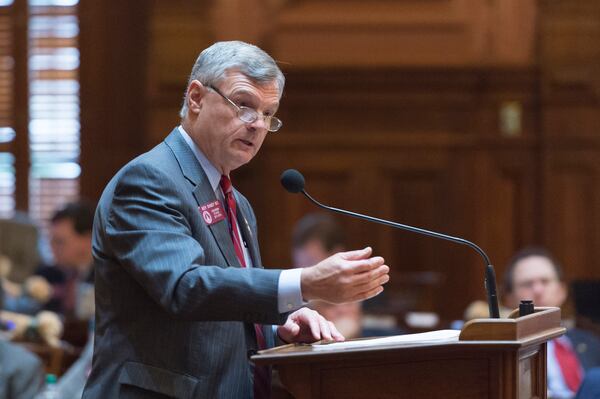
181,294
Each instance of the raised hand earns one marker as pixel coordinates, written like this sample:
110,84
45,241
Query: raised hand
345,277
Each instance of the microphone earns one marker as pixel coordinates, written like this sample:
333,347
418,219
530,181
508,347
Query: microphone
293,182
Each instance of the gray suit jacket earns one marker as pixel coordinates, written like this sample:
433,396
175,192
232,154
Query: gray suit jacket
174,309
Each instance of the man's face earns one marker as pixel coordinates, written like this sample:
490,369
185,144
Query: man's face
227,141
69,248
535,278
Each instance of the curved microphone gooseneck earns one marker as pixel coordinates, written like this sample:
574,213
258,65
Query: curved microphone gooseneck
293,182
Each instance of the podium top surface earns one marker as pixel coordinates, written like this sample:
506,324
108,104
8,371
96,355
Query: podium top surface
512,333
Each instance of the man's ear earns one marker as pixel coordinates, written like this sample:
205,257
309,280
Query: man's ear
195,93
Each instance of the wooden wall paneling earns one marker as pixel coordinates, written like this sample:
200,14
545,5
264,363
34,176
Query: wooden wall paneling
112,75
178,31
512,208
513,27
355,33
373,105
20,146
570,122
499,90
570,60
384,33
427,143
330,178
399,184
416,192
391,183
248,20
475,194
571,217
502,201
373,33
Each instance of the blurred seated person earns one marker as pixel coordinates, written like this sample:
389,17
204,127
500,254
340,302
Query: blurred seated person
72,275
19,239
21,372
315,237
27,297
534,274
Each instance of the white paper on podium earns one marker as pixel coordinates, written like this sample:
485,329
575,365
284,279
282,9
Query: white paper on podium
439,336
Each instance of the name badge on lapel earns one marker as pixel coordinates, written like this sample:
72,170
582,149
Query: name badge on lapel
212,212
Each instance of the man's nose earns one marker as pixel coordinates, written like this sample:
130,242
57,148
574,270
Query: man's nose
259,123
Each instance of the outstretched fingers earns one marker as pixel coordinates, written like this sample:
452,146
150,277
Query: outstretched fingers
368,284
363,265
379,274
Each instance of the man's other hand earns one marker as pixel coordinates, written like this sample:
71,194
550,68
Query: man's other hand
306,325
345,277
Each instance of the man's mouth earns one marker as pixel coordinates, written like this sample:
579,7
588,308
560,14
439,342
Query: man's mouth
248,143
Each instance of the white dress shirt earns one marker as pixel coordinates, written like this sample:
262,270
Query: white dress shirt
557,387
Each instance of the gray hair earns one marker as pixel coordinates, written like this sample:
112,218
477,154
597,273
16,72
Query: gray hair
214,62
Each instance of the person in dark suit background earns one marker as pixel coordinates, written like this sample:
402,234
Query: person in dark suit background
590,387
533,273
182,297
72,275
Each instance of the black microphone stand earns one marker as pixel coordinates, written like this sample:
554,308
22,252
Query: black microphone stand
490,275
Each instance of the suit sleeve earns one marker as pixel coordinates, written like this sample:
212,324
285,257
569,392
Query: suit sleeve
148,232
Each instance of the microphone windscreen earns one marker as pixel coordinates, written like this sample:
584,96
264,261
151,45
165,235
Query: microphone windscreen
292,181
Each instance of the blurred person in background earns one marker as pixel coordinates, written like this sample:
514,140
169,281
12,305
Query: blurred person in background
316,237
72,275
534,274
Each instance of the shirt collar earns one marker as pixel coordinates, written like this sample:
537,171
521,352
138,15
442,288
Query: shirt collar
214,176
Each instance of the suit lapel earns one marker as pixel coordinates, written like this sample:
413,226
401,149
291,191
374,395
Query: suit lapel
203,193
190,167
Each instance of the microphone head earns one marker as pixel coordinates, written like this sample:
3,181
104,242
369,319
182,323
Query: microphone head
292,181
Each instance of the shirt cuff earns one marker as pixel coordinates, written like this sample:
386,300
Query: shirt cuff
289,294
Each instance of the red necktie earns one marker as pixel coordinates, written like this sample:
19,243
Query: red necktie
569,364
262,374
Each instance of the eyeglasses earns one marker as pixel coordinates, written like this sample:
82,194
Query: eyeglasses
249,115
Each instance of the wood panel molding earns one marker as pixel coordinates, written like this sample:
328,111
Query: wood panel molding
384,33
572,209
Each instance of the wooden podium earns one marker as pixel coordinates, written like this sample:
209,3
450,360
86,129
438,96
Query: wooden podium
493,358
